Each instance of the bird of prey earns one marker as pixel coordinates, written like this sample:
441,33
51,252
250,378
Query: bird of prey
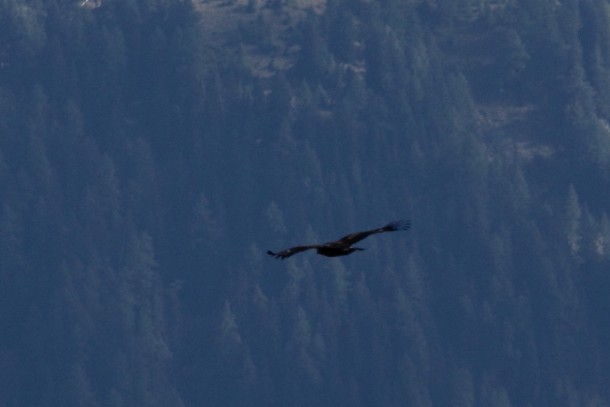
343,246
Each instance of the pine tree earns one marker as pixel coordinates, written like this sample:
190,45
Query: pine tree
573,222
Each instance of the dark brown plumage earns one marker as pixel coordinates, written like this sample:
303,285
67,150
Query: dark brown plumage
343,246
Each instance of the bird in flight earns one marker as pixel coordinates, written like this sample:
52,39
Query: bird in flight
343,246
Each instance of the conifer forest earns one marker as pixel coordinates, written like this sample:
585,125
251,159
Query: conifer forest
152,151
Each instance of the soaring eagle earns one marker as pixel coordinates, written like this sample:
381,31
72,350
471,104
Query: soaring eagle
343,246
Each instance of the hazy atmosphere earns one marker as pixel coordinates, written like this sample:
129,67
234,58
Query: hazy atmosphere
153,151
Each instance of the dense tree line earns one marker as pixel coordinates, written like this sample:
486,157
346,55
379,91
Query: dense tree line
144,171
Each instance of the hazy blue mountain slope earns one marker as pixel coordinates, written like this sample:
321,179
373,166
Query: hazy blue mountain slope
146,166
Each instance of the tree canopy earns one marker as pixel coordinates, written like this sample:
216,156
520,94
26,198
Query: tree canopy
149,158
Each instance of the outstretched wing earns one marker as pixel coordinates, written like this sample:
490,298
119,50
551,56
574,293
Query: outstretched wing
293,250
358,236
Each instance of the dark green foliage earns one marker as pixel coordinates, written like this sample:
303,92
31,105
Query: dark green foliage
314,62
144,172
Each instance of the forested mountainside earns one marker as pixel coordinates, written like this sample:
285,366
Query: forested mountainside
151,153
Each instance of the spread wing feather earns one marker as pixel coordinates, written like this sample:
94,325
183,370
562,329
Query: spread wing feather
293,250
358,236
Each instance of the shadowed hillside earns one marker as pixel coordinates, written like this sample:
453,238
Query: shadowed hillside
152,151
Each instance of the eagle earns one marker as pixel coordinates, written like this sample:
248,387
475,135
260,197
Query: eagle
343,246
